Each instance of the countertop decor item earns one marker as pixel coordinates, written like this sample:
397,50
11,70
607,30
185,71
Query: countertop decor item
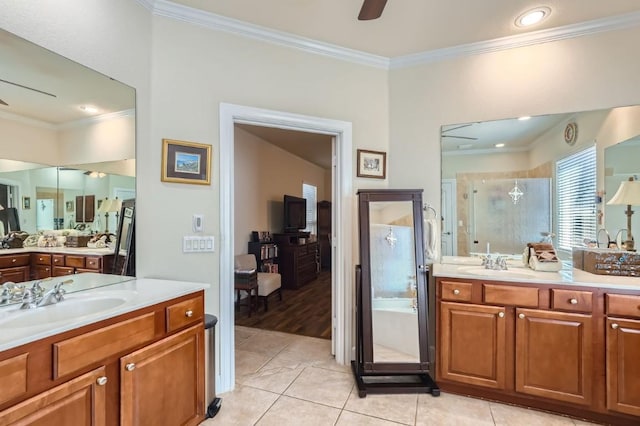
186,162
628,194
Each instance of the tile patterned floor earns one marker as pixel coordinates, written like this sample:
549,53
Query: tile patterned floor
284,379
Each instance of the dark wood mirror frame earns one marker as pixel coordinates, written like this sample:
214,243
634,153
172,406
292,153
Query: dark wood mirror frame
390,377
124,262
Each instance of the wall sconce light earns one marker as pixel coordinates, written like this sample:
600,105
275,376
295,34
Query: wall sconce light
628,194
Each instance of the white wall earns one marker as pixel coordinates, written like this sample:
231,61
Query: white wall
581,74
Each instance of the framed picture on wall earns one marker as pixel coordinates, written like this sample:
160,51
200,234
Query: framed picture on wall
186,162
69,205
26,203
372,164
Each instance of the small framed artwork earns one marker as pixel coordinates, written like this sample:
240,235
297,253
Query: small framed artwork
69,206
26,203
372,164
186,162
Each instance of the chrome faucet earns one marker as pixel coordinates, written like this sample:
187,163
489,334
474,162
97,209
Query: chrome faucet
36,297
498,264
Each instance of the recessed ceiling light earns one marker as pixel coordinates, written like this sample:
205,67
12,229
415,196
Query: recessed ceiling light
533,16
524,118
89,109
499,145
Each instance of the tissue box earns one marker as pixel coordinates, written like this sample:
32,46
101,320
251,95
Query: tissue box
607,261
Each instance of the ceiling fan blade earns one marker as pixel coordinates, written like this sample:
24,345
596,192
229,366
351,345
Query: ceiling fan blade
28,88
3,103
371,9
457,127
459,137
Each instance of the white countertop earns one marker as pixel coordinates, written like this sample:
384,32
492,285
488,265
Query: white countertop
128,293
469,267
59,250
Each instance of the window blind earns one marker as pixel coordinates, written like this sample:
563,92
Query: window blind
575,195
309,192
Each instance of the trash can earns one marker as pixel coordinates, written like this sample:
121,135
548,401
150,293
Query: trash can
212,404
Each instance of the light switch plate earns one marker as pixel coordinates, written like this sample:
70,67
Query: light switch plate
198,222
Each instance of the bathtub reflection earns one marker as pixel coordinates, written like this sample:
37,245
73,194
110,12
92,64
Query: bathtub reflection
395,330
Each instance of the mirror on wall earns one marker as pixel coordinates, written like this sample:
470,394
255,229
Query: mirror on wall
68,140
498,177
620,163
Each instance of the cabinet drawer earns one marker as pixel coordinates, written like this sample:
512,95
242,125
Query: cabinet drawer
14,260
74,261
510,295
79,352
14,377
41,259
60,271
571,300
185,313
17,275
92,262
57,259
452,290
623,304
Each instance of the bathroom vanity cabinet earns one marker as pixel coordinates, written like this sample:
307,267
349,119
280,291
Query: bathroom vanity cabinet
30,264
142,367
563,348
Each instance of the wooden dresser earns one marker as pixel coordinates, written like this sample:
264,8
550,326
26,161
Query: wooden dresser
298,263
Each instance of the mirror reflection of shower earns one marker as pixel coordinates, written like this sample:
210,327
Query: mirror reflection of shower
44,215
506,220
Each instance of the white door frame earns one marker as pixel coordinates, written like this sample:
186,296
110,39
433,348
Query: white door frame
342,273
449,216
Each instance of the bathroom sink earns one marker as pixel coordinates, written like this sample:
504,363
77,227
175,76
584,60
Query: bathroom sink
493,273
70,308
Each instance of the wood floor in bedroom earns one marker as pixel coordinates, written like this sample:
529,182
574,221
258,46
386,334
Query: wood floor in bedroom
305,311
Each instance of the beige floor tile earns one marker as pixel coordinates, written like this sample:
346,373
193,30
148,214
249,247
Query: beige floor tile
248,363
243,333
295,412
448,409
322,386
310,347
273,380
291,358
266,343
244,406
507,415
398,408
347,418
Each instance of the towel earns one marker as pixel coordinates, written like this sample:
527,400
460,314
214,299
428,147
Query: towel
431,235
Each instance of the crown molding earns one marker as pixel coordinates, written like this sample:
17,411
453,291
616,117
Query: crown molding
210,20
595,26
96,119
26,120
213,21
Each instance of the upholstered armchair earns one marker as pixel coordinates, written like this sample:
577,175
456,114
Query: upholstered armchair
268,282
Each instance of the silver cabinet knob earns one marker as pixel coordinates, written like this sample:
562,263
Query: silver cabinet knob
456,291
573,301
189,313
130,367
501,314
14,260
521,316
102,380
614,326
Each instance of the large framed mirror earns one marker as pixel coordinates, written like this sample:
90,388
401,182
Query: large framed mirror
70,142
485,164
392,317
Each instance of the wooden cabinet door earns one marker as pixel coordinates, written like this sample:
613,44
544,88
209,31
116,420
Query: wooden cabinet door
40,271
81,401
472,341
623,365
554,355
17,275
163,383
